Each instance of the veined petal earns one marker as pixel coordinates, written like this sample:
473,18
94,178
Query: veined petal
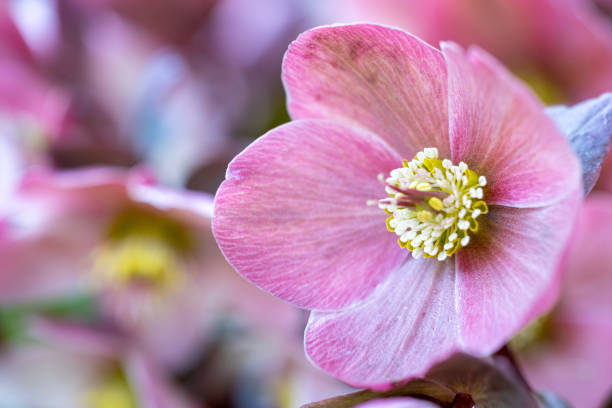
292,218
407,325
500,129
511,265
380,78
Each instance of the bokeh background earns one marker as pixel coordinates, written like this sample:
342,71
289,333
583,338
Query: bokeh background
117,121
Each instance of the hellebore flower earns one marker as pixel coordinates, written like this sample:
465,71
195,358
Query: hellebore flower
567,350
480,187
146,250
461,381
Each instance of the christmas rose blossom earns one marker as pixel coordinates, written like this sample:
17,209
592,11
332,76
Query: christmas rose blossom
481,187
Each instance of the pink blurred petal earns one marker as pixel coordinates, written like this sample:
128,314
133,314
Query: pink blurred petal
380,78
576,366
44,266
78,337
397,403
501,131
588,279
151,388
25,95
192,207
12,165
292,218
405,326
12,43
507,268
576,360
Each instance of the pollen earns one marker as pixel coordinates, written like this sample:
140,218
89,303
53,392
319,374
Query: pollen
433,204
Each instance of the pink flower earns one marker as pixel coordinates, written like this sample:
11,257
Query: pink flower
292,217
145,250
568,350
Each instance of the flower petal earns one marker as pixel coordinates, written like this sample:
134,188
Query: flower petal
407,325
192,207
500,129
78,337
397,403
150,385
575,361
511,265
292,218
576,366
588,128
380,78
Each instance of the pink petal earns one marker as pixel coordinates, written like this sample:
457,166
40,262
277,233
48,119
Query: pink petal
292,218
576,361
588,282
97,189
508,268
397,403
49,261
500,129
24,94
151,387
52,227
78,337
575,366
407,325
380,78
192,207
13,45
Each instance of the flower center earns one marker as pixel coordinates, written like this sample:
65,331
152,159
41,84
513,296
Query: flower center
142,249
112,393
433,204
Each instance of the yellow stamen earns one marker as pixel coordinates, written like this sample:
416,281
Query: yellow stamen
142,248
115,393
434,204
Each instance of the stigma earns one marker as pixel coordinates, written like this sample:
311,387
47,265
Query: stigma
433,204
